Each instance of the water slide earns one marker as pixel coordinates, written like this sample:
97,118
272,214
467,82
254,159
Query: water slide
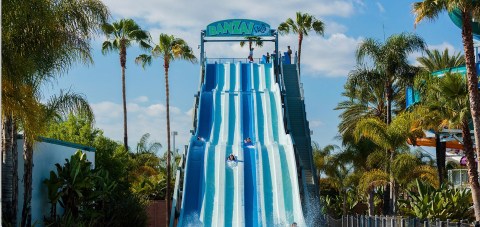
239,101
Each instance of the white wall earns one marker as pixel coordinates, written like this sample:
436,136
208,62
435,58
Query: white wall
45,155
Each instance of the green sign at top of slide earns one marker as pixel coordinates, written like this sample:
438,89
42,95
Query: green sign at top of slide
238,27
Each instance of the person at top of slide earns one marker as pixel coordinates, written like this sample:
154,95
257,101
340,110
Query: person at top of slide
289,52
250,55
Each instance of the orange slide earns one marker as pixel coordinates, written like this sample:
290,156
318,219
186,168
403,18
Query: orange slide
430,142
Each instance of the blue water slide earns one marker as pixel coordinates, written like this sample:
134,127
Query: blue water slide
250,178
210,77
194,175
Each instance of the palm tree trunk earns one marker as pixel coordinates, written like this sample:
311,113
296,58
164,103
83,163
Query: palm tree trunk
371,205
13,139
300,39
440,150
123,62
167,91
344,203
7,169
389,206
472,77
472,168
27,181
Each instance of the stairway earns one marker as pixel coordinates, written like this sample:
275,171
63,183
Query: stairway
299,128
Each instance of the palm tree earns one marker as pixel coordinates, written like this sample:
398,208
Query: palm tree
258,42
389,137
446,106
57,107
66,28
169,48
143,146
303,24
390,59
120,36
468,10
435,61
364,91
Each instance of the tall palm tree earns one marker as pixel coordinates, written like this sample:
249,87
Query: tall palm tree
120,36
303,24
170,48
391,60
468,10
434,61
66,28
447,106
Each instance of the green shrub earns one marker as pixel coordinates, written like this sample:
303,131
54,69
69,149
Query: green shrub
443,203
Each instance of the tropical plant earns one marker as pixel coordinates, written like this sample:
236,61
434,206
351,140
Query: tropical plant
446,106
468,10
426,201
390,59
364,91
143,146
251,39
120,36
53,109
302,25
169,48
391,138
66,27
435,61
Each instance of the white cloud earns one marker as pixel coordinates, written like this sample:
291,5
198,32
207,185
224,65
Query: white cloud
316,123
442,46
333,56
380,7
141,99
143,118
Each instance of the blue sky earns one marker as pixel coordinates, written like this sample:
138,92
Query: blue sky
326,60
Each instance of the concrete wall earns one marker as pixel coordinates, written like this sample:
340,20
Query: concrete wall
46,153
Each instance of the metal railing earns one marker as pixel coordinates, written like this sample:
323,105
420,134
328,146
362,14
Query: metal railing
458,177
390,221
177,192
231,60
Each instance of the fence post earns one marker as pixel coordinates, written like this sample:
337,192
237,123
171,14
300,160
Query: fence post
352,221
425,223
384,221
392,221
448,222
376,221
402,222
